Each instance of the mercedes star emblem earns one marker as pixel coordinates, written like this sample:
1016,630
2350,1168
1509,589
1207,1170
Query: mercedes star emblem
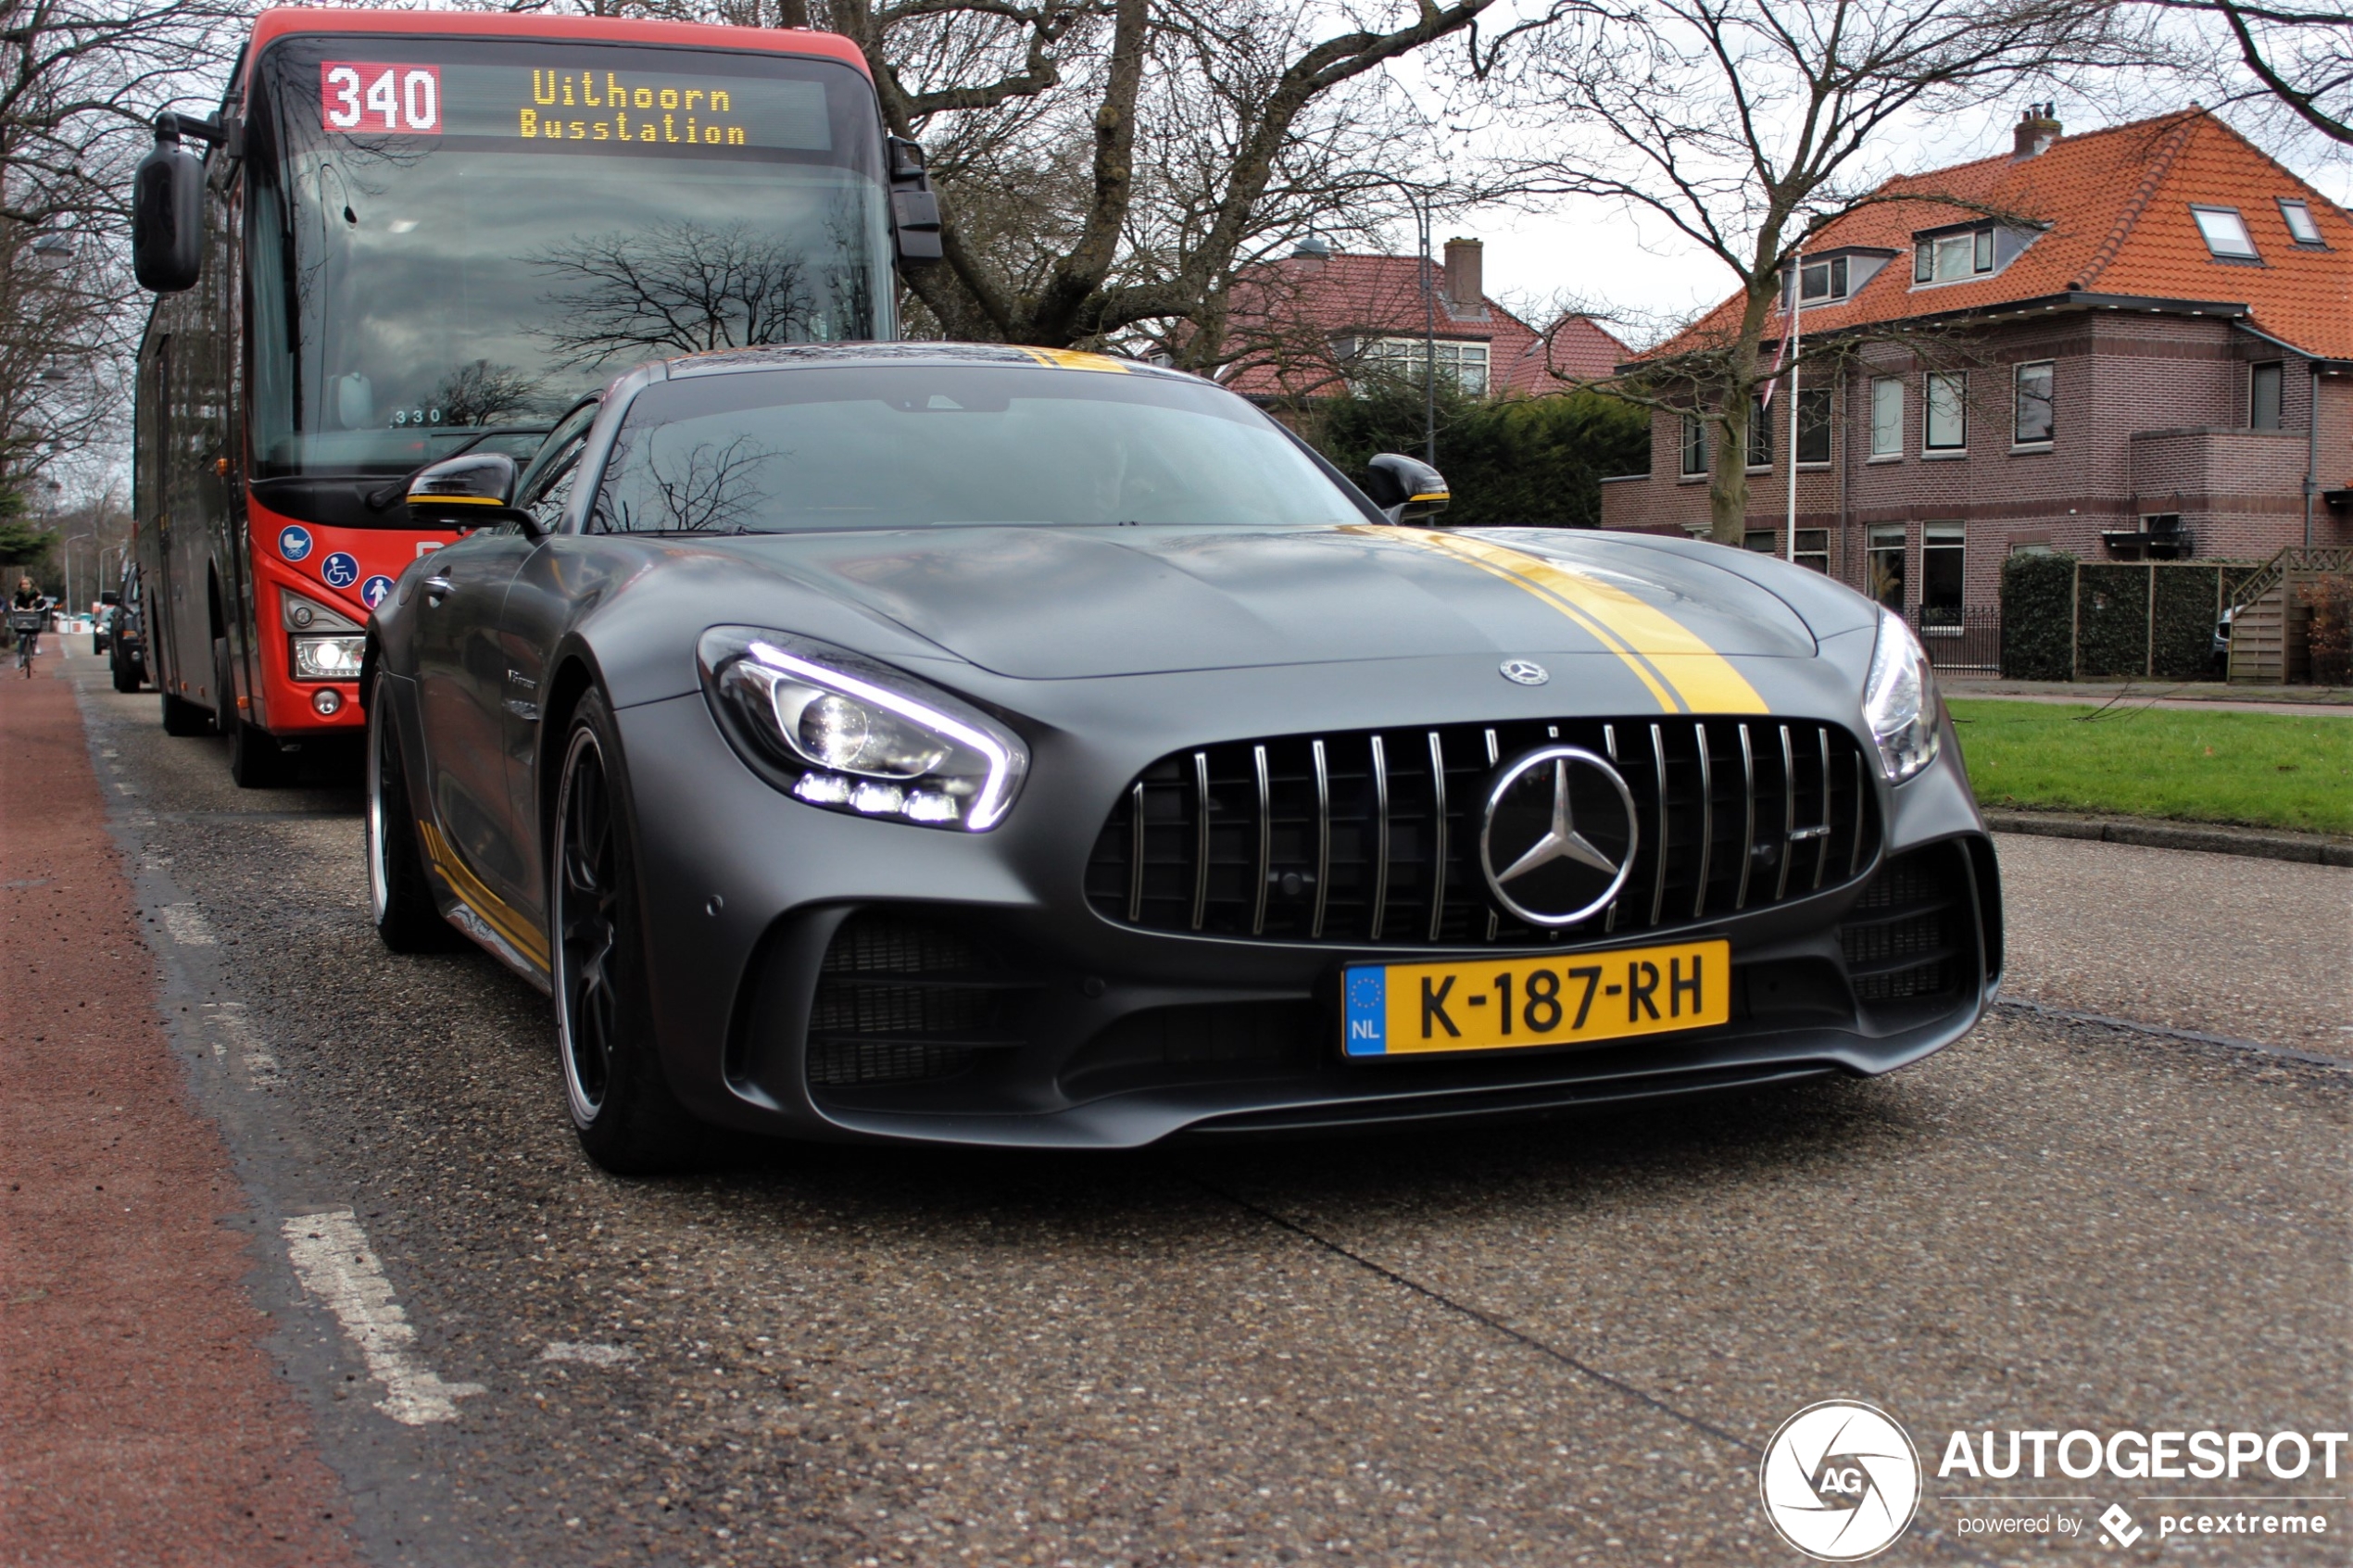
1559,843
1526,671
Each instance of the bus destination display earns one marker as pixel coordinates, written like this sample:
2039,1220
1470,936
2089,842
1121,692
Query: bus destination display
546,105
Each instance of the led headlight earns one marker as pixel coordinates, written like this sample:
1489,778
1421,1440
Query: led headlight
839,731
1899,700
328,659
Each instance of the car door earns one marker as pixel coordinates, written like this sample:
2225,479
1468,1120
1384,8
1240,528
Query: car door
461,681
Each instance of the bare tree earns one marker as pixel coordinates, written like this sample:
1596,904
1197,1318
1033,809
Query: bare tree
2300,54
1748,126
681,288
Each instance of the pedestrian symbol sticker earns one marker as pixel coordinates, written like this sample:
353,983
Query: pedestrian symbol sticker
294,543
339,571
373,591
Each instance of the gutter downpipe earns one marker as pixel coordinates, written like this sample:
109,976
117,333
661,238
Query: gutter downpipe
2312,452
1797,334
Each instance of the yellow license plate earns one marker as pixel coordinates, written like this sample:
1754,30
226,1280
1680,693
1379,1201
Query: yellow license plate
1574,998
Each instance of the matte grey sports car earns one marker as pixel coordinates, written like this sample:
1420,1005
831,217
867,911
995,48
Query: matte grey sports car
986,744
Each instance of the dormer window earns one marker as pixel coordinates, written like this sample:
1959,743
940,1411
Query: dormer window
2225,234
2300,227
1949,259
1822,279
1827,280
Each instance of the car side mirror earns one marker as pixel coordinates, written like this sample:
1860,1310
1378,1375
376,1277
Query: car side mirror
167,213
470,490
1406,488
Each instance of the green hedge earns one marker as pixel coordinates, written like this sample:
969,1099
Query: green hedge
1509,460
2038,593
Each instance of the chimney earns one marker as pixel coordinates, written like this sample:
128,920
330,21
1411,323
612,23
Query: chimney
1465,284
2037,129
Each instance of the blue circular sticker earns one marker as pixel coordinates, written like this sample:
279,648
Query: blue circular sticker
373,592
339,571
294,543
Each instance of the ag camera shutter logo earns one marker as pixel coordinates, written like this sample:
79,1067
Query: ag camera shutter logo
1839,1481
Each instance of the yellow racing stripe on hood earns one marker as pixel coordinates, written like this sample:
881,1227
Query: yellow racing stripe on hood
1680,670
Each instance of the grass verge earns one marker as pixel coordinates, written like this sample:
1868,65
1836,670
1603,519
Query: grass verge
2259,770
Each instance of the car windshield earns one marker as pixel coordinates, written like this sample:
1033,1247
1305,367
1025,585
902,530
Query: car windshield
462,241
934,445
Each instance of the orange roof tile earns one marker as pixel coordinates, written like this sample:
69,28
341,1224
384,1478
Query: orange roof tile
2117,206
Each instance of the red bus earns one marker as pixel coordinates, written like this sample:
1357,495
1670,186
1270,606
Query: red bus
408,234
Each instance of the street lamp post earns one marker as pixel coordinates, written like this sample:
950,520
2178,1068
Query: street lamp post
1418,198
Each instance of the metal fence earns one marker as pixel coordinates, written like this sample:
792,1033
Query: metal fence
1968,638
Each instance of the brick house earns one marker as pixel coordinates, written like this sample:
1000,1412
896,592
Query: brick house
2124,364
1309,324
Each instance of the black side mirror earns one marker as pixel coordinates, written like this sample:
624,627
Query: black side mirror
167,213
1406,488
914,210
472,490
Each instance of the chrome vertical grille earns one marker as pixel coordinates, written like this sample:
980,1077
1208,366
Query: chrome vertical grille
1373,836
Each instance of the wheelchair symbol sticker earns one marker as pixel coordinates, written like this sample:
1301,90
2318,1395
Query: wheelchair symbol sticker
339,571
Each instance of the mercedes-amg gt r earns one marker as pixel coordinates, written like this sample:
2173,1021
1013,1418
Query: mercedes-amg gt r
991,746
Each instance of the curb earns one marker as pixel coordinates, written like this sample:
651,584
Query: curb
2310,848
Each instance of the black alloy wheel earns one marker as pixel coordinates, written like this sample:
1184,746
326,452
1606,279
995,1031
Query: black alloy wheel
621,1105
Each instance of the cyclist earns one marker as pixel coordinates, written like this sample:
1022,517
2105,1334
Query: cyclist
24,612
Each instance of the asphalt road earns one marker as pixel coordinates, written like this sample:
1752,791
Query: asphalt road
1558,1344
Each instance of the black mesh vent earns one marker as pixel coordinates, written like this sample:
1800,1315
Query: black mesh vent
1906,939
1373,838
900,999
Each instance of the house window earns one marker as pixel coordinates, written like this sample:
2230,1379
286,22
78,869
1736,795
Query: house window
1940,547
1947,398
1694,446
1887,416
2300,227
1814,425
2263,396
2033,418
1822,279
2225,233
1886,565
1814,549
1406,359
1760,433
1763,541
1945,258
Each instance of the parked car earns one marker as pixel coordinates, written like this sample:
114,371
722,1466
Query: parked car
126,643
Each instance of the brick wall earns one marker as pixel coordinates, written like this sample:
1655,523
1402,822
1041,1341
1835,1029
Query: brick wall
2150,416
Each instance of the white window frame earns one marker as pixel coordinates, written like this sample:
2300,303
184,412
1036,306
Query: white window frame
2301,227
1930,381
2224,220
1936,540
1690,439
1466,364
1884,539
1887,432
2017,405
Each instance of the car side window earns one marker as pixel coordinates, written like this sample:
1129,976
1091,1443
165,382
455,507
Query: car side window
550,489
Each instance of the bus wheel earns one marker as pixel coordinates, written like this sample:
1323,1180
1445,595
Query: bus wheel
254,758
398,895
622,1107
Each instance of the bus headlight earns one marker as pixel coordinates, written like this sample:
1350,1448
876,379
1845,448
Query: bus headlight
328,659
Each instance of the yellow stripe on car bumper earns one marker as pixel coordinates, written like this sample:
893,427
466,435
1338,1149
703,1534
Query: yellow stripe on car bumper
1673,661
494,911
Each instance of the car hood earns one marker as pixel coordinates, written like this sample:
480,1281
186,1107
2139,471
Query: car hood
1058,603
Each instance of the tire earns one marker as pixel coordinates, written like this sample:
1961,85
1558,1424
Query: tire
255,760
628,1120
399,898
126,674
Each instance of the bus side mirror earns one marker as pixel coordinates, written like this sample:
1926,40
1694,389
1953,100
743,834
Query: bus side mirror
914,210
1406,488
470,490
167,213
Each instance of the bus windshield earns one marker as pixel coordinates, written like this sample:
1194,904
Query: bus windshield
449,241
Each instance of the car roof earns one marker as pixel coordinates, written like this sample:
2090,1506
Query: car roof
803,355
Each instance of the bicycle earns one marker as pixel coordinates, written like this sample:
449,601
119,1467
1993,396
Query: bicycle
26,624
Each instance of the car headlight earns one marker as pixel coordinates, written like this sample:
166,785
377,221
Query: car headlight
1899,700
840,730
328,659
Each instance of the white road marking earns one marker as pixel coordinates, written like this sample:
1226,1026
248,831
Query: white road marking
186,927
335,1262
229,1023
593,1355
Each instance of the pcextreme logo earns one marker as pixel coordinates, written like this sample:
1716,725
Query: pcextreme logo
1839,1481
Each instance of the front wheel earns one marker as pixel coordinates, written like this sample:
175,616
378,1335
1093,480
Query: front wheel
398,895
621,1105
123,666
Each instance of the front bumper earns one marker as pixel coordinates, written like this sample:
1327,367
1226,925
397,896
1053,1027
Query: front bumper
820,977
